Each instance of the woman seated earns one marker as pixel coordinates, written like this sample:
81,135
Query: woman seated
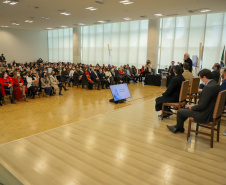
55,84
87,80
77,76
6,83
141,74
45,84
32,84
19,88
109,77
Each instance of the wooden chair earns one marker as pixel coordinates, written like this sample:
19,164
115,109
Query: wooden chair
218,110
193,90
219,81
182,99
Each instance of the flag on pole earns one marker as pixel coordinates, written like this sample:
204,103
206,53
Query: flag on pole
223,59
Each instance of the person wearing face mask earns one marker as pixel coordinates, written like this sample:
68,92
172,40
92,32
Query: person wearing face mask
7,86
109,76
55,84
45,84
203,111
95,78
19,88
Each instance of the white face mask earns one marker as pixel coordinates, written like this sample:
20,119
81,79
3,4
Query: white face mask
5,75
18,74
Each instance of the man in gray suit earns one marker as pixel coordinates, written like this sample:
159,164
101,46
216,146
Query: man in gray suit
203,112
128,73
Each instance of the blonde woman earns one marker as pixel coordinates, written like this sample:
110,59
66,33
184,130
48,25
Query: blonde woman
55,83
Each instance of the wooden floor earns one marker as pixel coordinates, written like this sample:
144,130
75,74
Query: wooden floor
106,144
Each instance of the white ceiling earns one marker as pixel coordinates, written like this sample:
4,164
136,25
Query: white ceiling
110,10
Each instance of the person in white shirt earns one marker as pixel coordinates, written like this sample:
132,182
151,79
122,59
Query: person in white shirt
32,84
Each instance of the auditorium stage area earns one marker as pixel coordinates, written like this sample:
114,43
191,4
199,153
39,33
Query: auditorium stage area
127,145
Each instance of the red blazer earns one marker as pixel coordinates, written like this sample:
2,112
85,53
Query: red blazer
16,83
88,76
120,72
3,83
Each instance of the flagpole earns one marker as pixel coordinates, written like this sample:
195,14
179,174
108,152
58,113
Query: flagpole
224,56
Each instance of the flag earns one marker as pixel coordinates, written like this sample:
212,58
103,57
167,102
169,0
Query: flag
223,59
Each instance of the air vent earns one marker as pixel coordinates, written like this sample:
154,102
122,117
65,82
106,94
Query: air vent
143,16
36,7
192,11
99,2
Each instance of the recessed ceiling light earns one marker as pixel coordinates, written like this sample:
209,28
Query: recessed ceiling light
15,24
6,2
91,8
49,28
65,13
102,22
158,15
4,26
125,2
205,10
81,24
63,26
127,18
28,21
14,2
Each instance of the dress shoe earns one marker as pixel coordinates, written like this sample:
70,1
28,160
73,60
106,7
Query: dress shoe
174,129
66,89
60,94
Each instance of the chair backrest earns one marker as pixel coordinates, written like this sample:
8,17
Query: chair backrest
183,90
219,81
194,86
220,104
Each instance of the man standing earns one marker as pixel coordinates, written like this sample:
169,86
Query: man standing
216,72
2,58
188,60
203,112
173,91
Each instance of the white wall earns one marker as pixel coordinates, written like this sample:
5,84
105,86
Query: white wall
23,46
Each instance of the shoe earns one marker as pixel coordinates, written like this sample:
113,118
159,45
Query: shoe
12,101
224,133
66,89
60,94
174,129
98,89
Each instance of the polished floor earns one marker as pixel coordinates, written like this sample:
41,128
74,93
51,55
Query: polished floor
104,144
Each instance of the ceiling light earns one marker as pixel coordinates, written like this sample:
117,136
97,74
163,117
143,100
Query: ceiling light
127,18
28,21
125,2
49,28
4,26
14,2
205,10
65,13
81,24
102,22
63,26
91,8
6,2
15,24
158,15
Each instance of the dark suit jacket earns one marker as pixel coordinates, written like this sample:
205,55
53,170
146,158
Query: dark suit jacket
170,70
189,61
173,89
216,75
203,112
93,76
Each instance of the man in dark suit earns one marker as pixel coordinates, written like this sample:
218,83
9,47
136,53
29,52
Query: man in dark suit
94,76
2,58
170,73
216,72
173,91
203,112
188,60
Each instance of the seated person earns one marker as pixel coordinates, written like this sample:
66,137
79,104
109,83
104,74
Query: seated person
223,85
32,84
87,80
203,111
216,72
170,73
117,76
173,91
77,76
65,76
134,74
18,86
103,78
95,78
45,84
7,86
187,74
128,74
141,74
55,84
109,76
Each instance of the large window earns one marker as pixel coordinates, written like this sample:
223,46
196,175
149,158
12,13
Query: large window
179,35
127,42
60,44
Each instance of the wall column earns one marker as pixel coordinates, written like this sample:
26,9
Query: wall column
77,45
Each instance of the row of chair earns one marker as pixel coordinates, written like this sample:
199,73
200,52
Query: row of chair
193,94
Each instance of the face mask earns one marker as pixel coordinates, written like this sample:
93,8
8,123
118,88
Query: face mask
18,74
5,75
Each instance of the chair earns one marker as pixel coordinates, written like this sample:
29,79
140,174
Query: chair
218,110
182,99
219,81
193,90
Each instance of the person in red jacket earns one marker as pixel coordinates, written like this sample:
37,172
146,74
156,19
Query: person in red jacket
6,87
19,88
